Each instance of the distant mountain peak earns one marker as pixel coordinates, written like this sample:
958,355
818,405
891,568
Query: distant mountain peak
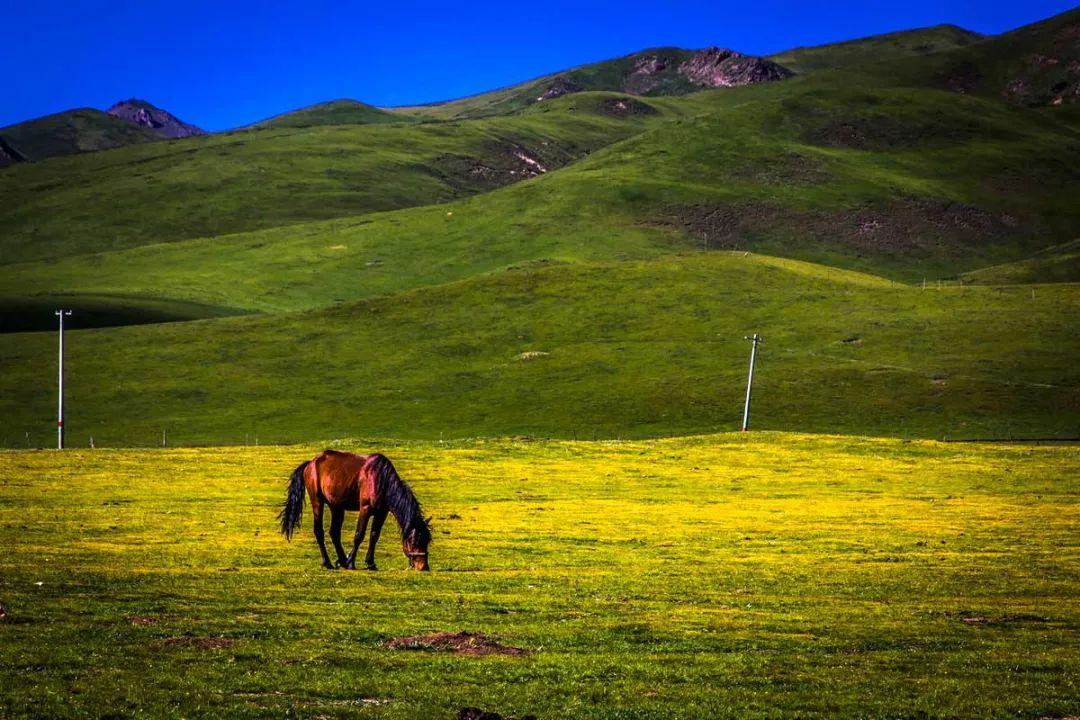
145,114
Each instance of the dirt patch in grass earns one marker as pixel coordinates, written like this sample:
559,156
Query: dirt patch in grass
903,226
786,168
500,163
884,131
720,226
472,713
1001,619
624,107
201,643
143,620
459,643
915,224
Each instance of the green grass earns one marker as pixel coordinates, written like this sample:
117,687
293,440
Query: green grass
635,349
399,275
877,49
334,275
217,184
1058,264
928,191
769,576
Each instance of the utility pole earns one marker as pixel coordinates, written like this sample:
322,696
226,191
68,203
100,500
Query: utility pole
60,394
750,381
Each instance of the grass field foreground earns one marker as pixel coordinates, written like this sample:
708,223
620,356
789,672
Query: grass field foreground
769,575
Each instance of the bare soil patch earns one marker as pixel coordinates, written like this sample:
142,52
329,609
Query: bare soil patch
901,226
1001,619
787,168
202,643
625,106
459,643
501,163
472,713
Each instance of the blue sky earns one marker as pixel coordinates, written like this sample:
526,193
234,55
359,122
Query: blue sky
224,64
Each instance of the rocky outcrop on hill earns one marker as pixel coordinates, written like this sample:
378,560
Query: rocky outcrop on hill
1045,80
1048,73
164,123
717,67
668,71
561,86
9,155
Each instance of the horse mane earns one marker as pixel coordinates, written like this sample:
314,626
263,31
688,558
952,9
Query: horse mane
401,500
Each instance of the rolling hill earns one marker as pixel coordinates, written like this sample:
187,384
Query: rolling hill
74,131
226,183
625,349
335,112
585,262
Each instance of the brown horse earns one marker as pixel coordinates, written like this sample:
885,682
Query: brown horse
368,483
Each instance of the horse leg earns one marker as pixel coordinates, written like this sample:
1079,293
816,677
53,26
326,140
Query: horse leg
316,512
337,519
376,529
361,528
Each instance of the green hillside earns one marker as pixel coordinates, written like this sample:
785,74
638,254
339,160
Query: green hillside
335,112
216,184
625,349
405,272
856,54
906,183
1057,264
1036,65
74,131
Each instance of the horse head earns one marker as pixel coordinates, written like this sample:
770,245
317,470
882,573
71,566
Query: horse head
414,543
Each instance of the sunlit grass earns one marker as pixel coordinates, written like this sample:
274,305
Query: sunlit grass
768,575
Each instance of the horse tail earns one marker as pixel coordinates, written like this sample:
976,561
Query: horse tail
293,508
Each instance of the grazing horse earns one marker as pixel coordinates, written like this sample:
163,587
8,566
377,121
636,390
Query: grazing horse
368,483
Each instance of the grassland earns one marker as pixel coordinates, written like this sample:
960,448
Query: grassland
212,185
761,576
632,349
921,186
